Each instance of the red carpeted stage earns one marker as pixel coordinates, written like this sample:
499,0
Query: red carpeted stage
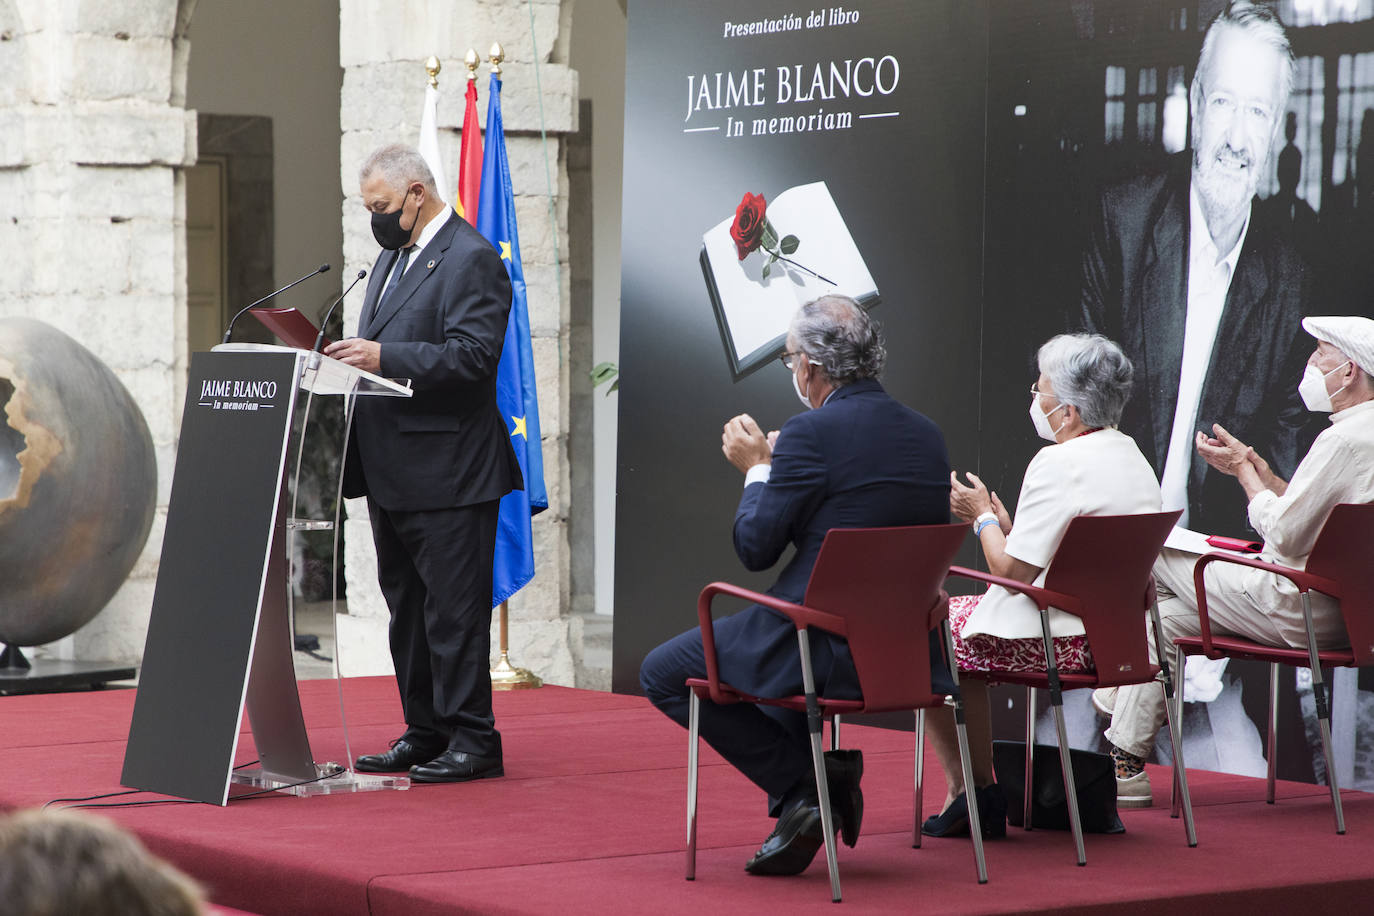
589,819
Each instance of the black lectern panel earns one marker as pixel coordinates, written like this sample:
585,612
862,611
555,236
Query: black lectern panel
210,586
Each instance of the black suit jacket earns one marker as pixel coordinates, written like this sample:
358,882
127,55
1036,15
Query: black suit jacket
1135,291
443,327
861,460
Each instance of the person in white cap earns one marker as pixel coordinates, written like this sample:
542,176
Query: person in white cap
1253,603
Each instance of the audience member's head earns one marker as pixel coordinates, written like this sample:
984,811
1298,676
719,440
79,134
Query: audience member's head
839,338
61,863
1089,372
1338,371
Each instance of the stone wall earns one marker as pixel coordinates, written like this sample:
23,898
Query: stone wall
93,132
383,45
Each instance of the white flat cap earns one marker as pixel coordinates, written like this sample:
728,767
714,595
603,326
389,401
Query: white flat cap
1352,335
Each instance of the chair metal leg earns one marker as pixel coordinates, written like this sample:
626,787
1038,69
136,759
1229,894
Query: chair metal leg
1028,790
918,788
1180,780
1323,712
1065,762
813,725
975,821
1271,738
1070,786
835,732
693,744
1175,794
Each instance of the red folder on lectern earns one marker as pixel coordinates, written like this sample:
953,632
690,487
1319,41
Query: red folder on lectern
291,326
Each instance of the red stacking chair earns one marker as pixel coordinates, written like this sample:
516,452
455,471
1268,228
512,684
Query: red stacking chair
1339,566
1098,574
879,588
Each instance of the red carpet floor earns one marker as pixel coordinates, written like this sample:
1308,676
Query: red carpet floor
589,819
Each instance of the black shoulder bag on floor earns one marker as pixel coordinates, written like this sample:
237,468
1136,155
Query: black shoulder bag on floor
1093,773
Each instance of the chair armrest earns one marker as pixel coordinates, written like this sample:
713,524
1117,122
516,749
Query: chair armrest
1042,597
800,616
1304,580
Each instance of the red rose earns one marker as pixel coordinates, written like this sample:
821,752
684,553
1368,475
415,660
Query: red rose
747,230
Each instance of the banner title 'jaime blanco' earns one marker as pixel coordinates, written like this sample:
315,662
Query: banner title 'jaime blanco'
865,77
237,394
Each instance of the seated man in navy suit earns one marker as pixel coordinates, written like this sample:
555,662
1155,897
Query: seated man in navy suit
855,458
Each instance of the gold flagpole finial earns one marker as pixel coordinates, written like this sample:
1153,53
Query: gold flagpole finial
497,55
432,67
472,62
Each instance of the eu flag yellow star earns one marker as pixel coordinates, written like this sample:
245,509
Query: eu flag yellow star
505,250
519,428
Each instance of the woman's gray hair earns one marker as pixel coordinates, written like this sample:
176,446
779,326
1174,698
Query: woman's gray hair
1089,372
836,333
400,166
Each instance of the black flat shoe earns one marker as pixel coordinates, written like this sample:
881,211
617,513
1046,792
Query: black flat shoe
953,821
792,845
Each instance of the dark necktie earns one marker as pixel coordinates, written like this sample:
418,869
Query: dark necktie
396,273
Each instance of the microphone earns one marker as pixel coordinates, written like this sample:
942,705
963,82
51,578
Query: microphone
323,268
319,338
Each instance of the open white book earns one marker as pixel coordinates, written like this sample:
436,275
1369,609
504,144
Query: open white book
753,311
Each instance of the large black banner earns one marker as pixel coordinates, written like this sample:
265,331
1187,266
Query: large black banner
985,176
862,129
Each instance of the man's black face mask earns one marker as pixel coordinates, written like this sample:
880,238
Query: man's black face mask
386,227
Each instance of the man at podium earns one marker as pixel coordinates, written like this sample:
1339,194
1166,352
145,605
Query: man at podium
433,466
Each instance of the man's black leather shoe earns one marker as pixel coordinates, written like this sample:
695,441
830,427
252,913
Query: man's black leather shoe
792,844
402,756
457,766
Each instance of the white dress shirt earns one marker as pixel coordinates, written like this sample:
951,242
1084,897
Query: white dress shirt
1209,279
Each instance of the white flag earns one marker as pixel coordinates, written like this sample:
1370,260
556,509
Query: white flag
429,138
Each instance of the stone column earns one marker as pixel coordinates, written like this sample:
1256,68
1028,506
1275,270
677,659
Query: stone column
382,47
93,134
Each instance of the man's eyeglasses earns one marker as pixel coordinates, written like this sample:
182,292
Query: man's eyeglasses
789,359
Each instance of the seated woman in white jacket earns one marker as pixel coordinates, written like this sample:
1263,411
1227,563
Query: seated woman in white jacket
1091,469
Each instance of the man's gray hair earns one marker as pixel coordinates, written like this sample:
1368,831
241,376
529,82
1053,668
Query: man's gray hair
400,166
1089,372
836,333
1262,24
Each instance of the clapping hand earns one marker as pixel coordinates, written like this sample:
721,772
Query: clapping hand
969,502
1225,452
744,444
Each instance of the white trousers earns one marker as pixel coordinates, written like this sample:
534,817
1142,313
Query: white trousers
1250,603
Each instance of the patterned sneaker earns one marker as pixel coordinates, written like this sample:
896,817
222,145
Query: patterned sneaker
1134,791
1104,700
1132,782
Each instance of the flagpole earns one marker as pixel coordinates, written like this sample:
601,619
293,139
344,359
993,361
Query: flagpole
506,676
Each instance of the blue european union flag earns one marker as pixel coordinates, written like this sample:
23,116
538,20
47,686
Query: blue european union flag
515,394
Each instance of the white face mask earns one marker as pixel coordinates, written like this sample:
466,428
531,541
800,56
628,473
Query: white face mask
1312,388
1042,420
797,388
